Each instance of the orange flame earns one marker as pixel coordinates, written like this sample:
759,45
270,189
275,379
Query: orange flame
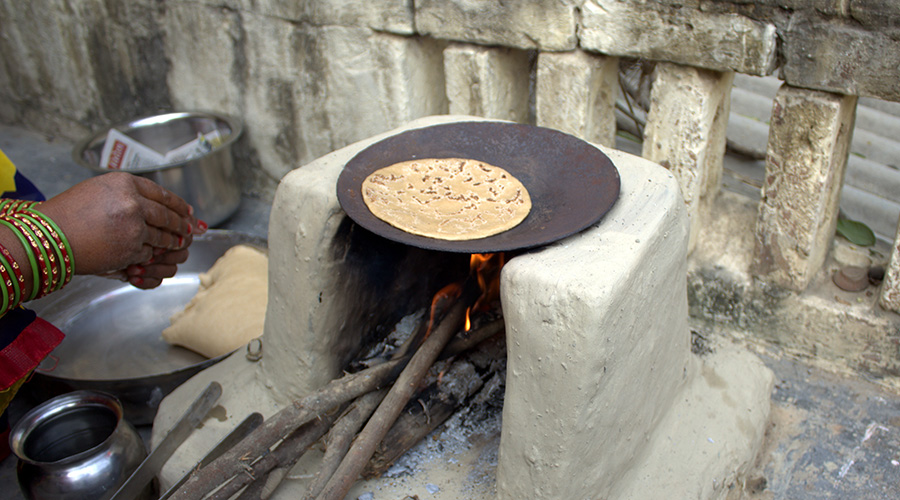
486,267
452,290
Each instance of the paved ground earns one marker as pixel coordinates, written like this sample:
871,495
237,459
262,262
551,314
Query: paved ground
830,437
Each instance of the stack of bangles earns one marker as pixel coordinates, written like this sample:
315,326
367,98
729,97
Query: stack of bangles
49,253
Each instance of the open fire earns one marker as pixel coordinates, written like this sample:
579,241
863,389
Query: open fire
422,365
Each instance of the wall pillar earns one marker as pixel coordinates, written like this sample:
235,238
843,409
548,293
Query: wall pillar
491,82
576,93
890,289
685,132
809,138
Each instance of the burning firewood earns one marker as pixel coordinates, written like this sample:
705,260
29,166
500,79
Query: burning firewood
257,464
389,409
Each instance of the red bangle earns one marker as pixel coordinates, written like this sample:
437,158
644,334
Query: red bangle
54,256
9,292
60,244
17,271
43,286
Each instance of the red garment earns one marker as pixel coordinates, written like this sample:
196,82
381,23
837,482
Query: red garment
23,354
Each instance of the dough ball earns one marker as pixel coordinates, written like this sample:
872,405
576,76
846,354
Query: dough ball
229,308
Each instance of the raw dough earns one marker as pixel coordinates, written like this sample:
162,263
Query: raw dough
229,308
447,198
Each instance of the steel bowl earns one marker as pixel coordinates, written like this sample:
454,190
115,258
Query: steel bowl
208,182
113,333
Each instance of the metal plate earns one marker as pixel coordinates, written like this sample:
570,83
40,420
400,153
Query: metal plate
113,333
572,184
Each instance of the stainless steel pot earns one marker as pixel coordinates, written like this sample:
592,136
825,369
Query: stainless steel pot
209,182
77,445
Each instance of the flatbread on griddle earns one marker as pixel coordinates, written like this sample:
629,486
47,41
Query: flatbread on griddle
447,198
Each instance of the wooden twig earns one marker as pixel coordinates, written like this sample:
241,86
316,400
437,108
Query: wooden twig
472,338
387,412
283,423
268,472
340,437
431,408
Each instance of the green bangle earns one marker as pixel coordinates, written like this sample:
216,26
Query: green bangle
3,291
48,233
17,292
31,259
45,288
62,236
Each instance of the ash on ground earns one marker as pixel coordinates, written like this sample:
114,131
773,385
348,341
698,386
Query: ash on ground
474,426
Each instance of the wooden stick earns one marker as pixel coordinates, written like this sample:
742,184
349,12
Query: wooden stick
267,473
472,338
283,423
431,408
341,437
387,412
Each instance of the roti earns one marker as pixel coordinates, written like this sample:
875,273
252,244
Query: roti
447,198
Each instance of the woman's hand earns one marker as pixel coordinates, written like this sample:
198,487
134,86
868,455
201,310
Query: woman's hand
118,223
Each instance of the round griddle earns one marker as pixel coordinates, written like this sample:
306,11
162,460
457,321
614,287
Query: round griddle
572,184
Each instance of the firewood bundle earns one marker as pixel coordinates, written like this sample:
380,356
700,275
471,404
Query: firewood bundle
367,419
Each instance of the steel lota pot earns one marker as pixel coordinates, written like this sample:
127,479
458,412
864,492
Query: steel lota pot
75,446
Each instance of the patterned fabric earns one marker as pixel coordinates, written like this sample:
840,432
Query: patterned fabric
25,339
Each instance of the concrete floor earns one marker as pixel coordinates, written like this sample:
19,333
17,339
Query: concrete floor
830,437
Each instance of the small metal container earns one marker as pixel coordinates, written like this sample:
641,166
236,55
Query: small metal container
208,182
77,445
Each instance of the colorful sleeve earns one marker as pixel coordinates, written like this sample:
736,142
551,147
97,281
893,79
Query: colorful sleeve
15,185
7,174
25,339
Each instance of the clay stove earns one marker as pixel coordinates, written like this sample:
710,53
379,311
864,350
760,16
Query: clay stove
604,398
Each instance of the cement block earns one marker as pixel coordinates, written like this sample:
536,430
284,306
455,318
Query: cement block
809,141
302,90
82,66
392,16
685,132
536,24
875,13
722,42
890,289
205,72
488,82
841,57
590,373
576,93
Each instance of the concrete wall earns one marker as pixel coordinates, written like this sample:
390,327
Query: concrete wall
310,77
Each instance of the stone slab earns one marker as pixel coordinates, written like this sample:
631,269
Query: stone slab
576,93
840,57
890,290
491,82
392,16
722,42
685,132
536,24
809,141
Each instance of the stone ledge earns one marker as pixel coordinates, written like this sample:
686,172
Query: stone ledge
824,326
722,42
838,57
542,24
